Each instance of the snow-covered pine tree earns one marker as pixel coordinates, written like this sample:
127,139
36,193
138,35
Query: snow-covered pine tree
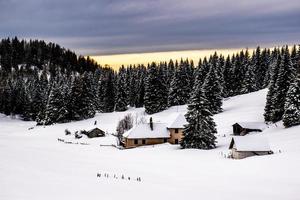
228,77
213,91
286,76
121,94
106,93
176,93
139,100
162,89
200,131
180,85
203,71
220,70
40,97
249,81
272,89
153,85
55,109
238,74
266,63
170,72
291,116
88,108
259,69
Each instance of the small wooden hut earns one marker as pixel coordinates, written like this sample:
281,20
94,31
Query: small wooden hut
243,147
96,132
243,128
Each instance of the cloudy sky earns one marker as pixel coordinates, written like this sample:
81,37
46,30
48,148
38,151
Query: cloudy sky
98,27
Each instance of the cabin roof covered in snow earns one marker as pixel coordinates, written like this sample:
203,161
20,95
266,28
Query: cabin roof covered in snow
250,143
144,131
177,121
252,125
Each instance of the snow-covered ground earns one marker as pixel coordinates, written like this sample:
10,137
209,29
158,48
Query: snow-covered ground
35,165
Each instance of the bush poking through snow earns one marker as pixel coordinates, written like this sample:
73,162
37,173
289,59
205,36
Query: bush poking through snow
67,132
125,124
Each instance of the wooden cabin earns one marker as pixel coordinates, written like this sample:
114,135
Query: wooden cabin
176,128
146,134
243,128
96,132
156,133
243,147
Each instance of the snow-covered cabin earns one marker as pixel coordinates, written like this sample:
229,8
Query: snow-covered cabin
243,128
176,127
143,134
243,147
95,132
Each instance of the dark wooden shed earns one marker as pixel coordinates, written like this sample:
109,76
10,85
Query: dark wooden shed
243,128
96,132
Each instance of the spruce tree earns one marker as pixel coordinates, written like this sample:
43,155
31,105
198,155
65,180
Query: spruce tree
270,104
55,108
108,101
177,94
87,108
200,131
249,81
285,77
213,91
291,116
228,78
153,92
139,100
121,95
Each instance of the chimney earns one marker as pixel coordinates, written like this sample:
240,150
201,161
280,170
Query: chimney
151,124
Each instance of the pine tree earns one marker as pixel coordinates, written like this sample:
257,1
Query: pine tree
121,95
202,71
140,88
108,100
213,91
291,116
249,82
270,104
285,77
201,129
177,95
228,78
55,108
81,105
153,85
88,108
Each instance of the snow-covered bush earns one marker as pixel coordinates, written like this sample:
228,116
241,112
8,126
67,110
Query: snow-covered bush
67,132
125,124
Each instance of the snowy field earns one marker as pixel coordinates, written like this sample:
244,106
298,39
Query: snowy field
35,165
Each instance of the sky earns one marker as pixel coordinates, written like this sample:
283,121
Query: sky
106,27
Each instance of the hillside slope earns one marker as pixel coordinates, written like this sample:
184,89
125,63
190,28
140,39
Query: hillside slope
34,165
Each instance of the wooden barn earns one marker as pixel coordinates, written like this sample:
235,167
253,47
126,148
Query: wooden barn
243,147
243,128
96,132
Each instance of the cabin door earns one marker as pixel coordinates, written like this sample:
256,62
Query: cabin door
176,141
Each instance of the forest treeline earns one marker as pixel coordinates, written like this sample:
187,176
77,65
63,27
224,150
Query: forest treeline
49,84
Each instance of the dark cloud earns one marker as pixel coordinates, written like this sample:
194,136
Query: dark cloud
123,26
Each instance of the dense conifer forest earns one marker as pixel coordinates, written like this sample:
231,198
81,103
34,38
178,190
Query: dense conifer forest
49,84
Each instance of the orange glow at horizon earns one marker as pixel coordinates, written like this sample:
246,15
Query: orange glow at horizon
115,61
